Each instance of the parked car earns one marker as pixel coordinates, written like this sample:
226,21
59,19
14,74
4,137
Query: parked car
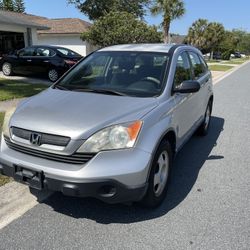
112,125
217,56
237,55
49,61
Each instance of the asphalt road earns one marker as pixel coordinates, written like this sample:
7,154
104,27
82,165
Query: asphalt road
208,203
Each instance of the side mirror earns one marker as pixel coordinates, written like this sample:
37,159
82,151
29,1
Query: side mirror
189,86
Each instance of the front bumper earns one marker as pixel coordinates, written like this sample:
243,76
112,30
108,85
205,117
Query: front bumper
109,191
111,176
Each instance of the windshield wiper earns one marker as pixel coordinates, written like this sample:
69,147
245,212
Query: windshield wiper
101,91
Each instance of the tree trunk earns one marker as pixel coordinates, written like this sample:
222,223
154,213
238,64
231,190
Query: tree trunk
166,31
211,54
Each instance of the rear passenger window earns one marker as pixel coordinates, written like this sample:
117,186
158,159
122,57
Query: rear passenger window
198,67
44,52
183,70
203,64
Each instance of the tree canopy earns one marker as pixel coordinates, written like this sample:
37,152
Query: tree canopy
120,28
95,9
170,10
243,40
12,5
206,36
197,34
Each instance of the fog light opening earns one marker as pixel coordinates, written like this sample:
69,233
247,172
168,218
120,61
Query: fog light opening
107,191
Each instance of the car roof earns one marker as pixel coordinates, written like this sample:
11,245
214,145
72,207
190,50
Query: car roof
157,47
48,46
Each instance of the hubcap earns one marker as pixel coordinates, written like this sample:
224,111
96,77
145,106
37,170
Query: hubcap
207,118
6,68
53,75
161,173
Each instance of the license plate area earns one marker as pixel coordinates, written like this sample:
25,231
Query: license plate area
30,177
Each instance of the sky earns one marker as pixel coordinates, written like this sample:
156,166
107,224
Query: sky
231,13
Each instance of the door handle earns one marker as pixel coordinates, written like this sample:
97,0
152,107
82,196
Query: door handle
29,60
46,61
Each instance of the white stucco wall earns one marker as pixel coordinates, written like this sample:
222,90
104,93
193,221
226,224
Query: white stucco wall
73,42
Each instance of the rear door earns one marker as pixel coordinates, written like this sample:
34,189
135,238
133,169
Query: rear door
42,60
203,76
185,113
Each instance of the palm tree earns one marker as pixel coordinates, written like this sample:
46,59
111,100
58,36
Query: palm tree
170,10
215,35
197,34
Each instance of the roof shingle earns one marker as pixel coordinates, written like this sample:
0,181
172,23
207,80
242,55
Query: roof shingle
46,25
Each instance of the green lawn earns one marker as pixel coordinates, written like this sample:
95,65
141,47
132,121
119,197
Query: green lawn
11,89
3,179
218,67
233,61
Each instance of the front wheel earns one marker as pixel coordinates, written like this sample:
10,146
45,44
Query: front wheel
7,69
159,176
53,75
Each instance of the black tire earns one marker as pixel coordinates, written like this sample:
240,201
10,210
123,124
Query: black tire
151,199
204,127
53,75
7,69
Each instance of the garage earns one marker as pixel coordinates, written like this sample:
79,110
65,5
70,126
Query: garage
10,41
17,31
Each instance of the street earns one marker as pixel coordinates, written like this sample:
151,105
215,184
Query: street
207,206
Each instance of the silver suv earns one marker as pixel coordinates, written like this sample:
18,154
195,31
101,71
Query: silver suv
112,125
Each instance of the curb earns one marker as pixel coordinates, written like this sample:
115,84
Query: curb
229,72
16,200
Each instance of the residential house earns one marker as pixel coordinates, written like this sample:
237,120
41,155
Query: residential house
18,30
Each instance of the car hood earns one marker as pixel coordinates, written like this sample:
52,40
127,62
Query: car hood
78,114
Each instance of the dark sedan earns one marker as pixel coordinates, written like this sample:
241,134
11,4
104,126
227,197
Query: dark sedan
49,61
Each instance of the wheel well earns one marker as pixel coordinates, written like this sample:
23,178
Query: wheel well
211,99
170,136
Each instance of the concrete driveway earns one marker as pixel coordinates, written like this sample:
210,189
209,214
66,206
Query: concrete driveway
208,203
26,79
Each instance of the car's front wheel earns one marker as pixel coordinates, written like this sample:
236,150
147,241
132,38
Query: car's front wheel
53,75
7,69
159,176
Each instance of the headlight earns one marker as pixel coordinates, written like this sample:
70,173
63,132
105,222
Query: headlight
8,114
114,137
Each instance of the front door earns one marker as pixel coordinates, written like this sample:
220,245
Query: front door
24,61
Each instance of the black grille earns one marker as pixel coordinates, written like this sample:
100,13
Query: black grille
77,158
45,138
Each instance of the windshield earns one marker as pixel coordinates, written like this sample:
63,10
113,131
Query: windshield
126,73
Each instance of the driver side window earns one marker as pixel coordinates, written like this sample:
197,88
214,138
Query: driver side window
183,70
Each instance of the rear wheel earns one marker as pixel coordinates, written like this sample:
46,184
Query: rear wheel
159,176
203,129
53,75
7,69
